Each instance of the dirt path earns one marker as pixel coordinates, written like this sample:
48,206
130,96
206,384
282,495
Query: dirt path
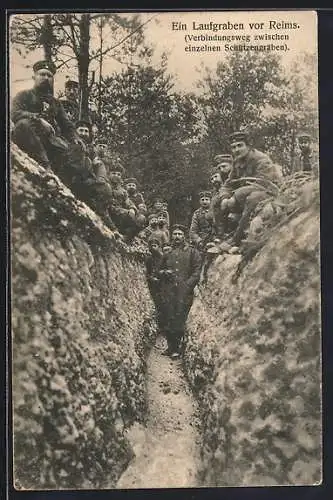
167,448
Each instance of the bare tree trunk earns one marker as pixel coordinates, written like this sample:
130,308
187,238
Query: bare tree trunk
83,64
46,37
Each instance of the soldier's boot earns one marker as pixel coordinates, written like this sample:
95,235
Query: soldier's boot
250,203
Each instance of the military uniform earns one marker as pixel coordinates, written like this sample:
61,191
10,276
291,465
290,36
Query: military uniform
153,267
30,134
255,164
180,271
201,229
70,104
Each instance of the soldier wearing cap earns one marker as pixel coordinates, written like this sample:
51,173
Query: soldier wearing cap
162,221
201,229
123,211
159,206
152,226
131,185
306,160
71,100
161,231
221,191
180,273
248,162
41,126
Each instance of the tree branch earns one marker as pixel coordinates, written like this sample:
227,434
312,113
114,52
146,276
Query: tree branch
99,53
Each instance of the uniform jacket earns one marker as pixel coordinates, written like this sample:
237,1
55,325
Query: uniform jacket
303,164
29,104
256,164
162,235
120,200
185,264
71,108
137,199
201,225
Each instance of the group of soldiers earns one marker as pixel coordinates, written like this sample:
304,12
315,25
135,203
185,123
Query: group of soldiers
50,131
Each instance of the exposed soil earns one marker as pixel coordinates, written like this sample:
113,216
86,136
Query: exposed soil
167,447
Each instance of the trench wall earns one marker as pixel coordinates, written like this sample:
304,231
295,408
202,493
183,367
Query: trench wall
253,359
81,327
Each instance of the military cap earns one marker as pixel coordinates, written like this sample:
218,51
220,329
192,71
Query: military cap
71,84
49,65
152,216
222,158
83,123
205,194
178,226
239,136
304,136
116,166
153,239
159,200
130,180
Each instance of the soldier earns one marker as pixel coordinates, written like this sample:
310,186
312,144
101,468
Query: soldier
161,231
136,197
249,162
153,267
220,192
201,229
122,211
306,161
162,222
152,226
92,184
70,102
41,126
180,272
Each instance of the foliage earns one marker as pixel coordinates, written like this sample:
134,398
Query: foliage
251,91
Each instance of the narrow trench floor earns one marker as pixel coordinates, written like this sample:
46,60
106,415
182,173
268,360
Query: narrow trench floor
167,447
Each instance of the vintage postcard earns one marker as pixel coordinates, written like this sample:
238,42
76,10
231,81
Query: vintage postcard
165,246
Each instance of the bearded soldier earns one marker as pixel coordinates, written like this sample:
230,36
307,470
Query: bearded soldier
180,272
201,229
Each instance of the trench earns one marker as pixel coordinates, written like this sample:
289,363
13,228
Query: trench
167,446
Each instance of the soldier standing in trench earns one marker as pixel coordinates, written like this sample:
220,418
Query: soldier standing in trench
180,273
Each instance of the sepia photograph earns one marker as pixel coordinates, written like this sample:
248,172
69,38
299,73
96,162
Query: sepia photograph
165,249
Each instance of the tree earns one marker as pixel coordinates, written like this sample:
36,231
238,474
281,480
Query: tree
253,92
153,129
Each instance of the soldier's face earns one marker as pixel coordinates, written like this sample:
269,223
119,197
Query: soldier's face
101,150
154,247
71,93
178,236
43,80
304,145
225,169
116,177
161,221
216,179
131,187
158,206
84,133
239,149
153,222
204,201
